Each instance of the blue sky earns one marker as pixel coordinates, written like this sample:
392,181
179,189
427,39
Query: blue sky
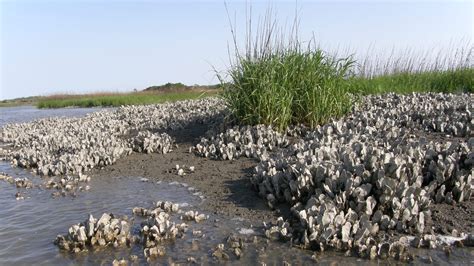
86,46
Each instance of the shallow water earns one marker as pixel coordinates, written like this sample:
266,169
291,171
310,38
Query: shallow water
28,227
20,114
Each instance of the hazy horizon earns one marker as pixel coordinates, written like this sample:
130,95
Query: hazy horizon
88,46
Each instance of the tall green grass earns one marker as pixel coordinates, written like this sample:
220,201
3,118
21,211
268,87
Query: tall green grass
278,81
405,71
115,100
446,81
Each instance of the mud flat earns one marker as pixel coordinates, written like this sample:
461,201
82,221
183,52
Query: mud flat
394,175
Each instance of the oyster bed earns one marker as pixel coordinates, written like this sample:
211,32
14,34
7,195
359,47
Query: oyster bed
356,183
75,145
364,184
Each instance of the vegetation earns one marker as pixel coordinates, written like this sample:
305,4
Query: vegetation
449,81
448,71
278,81
289,86
19,101
180,87
118,99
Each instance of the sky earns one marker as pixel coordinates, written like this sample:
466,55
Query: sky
49,47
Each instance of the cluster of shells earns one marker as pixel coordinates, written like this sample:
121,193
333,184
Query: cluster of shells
160,206
182,171
75,145
251,142
106,231
68,184
234,245
149,142
155,231
194,216
65,185
352,181
158,229
19,182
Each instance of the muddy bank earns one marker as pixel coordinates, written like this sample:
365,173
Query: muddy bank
225,185
448,218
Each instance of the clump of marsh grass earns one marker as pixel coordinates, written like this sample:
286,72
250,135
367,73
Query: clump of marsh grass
279,81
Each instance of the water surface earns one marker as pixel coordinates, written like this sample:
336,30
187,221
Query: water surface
20,114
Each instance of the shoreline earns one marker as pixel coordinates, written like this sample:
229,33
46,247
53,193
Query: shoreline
151,95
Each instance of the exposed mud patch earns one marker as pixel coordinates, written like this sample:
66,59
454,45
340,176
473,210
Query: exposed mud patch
225,184
448,217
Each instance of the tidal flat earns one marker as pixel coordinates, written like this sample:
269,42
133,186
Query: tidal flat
391,181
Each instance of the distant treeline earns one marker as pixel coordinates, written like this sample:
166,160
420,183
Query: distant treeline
180,87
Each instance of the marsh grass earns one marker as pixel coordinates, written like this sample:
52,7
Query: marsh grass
447,70
278,81
446,81
118,99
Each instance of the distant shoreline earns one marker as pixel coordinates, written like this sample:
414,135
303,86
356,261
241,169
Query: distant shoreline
150,95
32,100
